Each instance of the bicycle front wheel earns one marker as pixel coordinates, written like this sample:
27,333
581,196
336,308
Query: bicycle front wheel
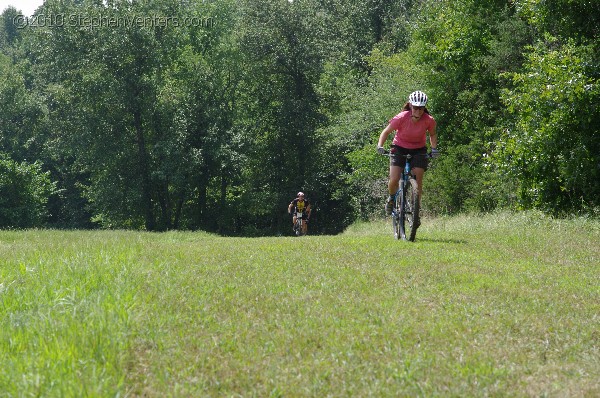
298,228
410,211
397,214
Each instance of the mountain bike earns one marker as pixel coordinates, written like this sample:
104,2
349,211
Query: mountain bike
405,212
299,225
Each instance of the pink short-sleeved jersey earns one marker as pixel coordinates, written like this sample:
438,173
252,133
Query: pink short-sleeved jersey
411,135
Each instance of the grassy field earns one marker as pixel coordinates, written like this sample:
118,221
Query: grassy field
500,305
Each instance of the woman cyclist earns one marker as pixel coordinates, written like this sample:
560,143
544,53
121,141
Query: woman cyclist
412,126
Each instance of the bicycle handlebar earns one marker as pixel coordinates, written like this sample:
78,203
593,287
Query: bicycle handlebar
428,155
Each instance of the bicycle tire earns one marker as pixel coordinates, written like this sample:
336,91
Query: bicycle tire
412,209
402,213
396,214
298,228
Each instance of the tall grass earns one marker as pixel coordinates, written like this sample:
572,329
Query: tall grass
500,305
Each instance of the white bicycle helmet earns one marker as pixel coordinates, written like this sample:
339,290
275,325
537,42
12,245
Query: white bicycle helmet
417,98
300,193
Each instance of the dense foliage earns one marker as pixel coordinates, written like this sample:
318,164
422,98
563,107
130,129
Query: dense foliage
24,192
170,114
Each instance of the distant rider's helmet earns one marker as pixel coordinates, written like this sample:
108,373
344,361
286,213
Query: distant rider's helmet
417,98
300,194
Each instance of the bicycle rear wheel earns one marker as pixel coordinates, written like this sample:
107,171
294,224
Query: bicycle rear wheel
410,211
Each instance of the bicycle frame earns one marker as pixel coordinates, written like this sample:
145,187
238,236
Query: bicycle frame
405,175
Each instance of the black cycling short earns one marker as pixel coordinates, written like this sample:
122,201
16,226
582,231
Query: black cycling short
399,158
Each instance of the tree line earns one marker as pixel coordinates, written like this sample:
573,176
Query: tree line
215,126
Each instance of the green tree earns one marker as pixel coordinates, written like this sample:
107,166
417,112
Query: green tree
553,146
578,20
284,51
121,111
10,32
24,193
19,112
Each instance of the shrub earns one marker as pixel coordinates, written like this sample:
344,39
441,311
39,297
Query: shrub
24,192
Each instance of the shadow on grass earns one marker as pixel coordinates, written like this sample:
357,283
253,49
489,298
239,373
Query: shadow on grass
442,240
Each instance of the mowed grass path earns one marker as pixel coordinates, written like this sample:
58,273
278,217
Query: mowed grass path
500,305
